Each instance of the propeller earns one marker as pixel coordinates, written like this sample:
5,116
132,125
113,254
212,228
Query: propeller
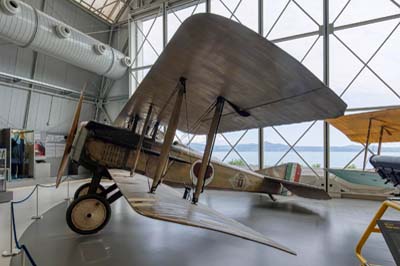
70,138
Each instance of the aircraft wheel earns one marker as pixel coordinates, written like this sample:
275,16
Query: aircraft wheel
83,190
88,214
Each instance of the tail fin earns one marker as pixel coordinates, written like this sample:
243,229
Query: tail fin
288,171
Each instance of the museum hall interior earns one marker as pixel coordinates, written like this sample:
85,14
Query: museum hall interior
199,132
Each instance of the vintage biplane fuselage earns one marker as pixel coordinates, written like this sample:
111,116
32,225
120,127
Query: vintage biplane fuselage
99,145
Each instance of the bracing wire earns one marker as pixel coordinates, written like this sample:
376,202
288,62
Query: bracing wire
200,119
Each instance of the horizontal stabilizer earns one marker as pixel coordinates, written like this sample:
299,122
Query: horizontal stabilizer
300,189
287,171
168,205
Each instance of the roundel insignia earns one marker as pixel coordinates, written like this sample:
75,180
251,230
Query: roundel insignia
195,170
239,181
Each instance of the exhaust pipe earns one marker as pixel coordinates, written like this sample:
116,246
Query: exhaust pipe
28,27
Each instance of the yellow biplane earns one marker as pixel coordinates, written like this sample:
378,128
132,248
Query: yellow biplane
382,126
214,76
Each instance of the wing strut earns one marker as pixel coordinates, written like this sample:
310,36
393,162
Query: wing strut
212,133
367,144
140,144
169,135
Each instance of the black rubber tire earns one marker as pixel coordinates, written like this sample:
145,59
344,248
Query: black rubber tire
86,186
97,200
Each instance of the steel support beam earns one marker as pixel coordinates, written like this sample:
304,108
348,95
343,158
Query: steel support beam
89,12
326,81
36,90
261,148
372,108
29,95
165,23
39,84
101,91
151,9
32,76
122,11
108,117
261,130
366,22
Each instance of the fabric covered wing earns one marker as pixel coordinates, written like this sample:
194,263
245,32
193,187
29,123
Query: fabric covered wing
355,126
220,57
168,205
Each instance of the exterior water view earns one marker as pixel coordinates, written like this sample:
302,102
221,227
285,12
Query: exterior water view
340,156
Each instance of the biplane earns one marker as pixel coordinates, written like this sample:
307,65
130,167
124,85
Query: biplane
366,128
214,76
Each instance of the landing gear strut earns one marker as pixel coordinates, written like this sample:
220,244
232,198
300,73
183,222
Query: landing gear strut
90,211
272,197
84,189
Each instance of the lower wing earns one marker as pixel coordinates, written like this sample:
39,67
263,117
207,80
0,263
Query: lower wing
167,205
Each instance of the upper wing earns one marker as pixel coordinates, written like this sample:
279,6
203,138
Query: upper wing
355,126
220,57
168,205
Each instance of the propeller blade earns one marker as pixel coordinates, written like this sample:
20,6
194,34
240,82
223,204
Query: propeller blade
70,138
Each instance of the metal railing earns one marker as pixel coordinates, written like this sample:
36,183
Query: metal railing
20,248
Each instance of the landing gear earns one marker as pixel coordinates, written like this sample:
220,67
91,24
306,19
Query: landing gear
272,197
88,214
90,210
84,189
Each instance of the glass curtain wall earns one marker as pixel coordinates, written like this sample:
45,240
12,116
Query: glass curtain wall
349,44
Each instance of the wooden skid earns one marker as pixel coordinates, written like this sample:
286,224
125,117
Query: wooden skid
167,205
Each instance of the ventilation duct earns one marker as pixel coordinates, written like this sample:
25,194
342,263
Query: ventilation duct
28,27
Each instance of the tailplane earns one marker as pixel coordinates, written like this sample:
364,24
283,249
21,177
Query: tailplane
288,176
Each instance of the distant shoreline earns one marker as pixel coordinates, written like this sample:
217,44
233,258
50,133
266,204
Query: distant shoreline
253,147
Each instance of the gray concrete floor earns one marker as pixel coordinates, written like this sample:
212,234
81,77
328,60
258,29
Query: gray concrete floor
321,232
48,198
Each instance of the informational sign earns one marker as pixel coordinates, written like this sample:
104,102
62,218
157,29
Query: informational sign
391,233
